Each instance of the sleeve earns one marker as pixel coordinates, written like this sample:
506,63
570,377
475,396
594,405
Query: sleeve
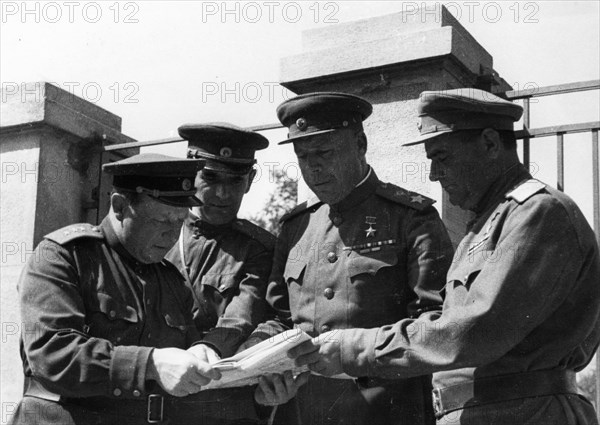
246,309
428,259
537,251
277,299
59,352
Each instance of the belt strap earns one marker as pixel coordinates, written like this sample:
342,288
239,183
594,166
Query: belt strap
503,388
152,409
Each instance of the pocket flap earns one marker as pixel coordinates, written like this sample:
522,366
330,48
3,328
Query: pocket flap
293,270
371,262
116,310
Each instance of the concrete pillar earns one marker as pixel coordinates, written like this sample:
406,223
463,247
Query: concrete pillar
389,60
50,144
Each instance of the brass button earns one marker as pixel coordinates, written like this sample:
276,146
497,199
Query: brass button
112,314
328,292
332,257
136,393
325,328
337,220
117,392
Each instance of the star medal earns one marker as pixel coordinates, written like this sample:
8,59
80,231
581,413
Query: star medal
371,230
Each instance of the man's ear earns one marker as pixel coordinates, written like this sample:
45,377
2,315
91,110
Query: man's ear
491,143
361,139
119,204
251,176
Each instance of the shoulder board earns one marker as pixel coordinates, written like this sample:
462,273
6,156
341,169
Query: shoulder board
255,232
525,190
311,205
402,196
75,231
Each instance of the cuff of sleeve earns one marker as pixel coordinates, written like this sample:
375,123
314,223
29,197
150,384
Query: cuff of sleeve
224,341
358,351
209,344
128,371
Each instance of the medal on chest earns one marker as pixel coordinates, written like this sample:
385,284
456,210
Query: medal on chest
371,221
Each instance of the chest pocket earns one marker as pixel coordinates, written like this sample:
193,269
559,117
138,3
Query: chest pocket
220,282
294,271
114,309
371,262
468,268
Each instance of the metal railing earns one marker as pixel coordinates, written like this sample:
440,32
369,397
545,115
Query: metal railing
526,134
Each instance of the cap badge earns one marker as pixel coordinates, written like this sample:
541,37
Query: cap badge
301,124
419,126
186,184
225,152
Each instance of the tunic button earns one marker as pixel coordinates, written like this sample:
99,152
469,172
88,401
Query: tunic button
328,292
325,328
149,335
136,393
148,301
112,314
332,257
337,220
117,392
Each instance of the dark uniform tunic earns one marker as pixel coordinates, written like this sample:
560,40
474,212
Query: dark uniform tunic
91,316
227,266
378,256
522,295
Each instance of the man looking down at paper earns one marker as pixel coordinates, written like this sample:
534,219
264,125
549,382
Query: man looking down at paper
521,311
363,253
108,320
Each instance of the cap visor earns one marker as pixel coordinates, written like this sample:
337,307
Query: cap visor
305,136
423,138
179,201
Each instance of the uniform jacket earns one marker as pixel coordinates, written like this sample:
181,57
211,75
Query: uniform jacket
227,267
92,314
377,257
522,295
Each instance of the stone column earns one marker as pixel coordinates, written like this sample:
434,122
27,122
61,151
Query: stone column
50,145
389,60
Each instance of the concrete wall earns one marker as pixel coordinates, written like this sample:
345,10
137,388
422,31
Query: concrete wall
50,152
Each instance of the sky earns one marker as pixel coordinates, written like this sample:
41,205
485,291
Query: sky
160,64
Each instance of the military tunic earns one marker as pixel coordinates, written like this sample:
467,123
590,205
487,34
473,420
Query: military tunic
91,317
227,266
378,256
522,295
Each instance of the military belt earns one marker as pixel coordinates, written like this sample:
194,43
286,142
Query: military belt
154,409
498,389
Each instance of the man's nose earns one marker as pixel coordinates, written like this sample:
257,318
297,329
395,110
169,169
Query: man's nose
222,191
436,172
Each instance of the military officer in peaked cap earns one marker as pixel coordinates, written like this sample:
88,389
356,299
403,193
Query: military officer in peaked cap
521,311
361,254
226,260
108,324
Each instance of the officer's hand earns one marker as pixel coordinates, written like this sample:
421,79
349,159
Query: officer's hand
178,372
204,353
322,354
277,389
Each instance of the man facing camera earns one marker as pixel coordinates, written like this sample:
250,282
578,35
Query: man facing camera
521,311
361,254
226,261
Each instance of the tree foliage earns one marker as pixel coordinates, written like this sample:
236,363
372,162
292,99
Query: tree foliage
283,198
